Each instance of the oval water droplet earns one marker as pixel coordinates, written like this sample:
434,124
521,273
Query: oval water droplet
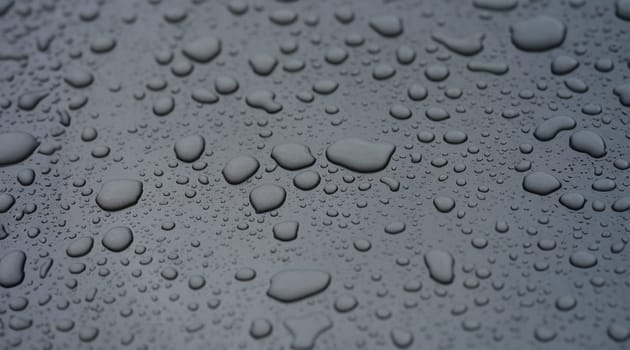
119,194
293,285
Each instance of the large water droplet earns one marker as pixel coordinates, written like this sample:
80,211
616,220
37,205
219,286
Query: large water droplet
440,265
588,142
119,194
387,25
292,156
540,183
80,247
12,268
16,147
239,169
118,238
538,34
293,285
265,198
190,148
359,155
203,50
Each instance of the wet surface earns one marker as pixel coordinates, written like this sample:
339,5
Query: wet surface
314,174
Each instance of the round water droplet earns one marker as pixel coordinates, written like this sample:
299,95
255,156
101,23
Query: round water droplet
265,198
239,169
441,266
387,25
345,303
540,183
538,34
292,156
119,194
588,142
583,259
293,285
80,247
359,155
190,148
203,50
286,231
306,180
12,268
15,147
118,238
260,328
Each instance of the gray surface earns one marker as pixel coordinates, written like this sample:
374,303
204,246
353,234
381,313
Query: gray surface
190,222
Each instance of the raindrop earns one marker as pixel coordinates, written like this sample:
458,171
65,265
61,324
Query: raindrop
118,238
293,285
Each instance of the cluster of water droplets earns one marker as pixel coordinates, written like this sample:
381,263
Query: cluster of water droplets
295,174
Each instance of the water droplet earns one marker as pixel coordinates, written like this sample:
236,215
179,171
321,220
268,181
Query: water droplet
163,106
204,96
118,238
383,71
260,328
441,265
400,112
292,156
80,247
496,5
395,227
566,303
325,87
402,339
436,72
621,204
265,100
345,303
203,50
245,274
467,46
359,155
283,17
387,25
455,137
305,330
286,231
538,34
444,204
263,64
265,198
6,202
119,194
583,259
12,268
15,147
588,142
497,68
189,148
540,183
293,285
306,180
573,200
78,78
437,114
29,100
547,130
623,92
239,169
622,9
619,332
